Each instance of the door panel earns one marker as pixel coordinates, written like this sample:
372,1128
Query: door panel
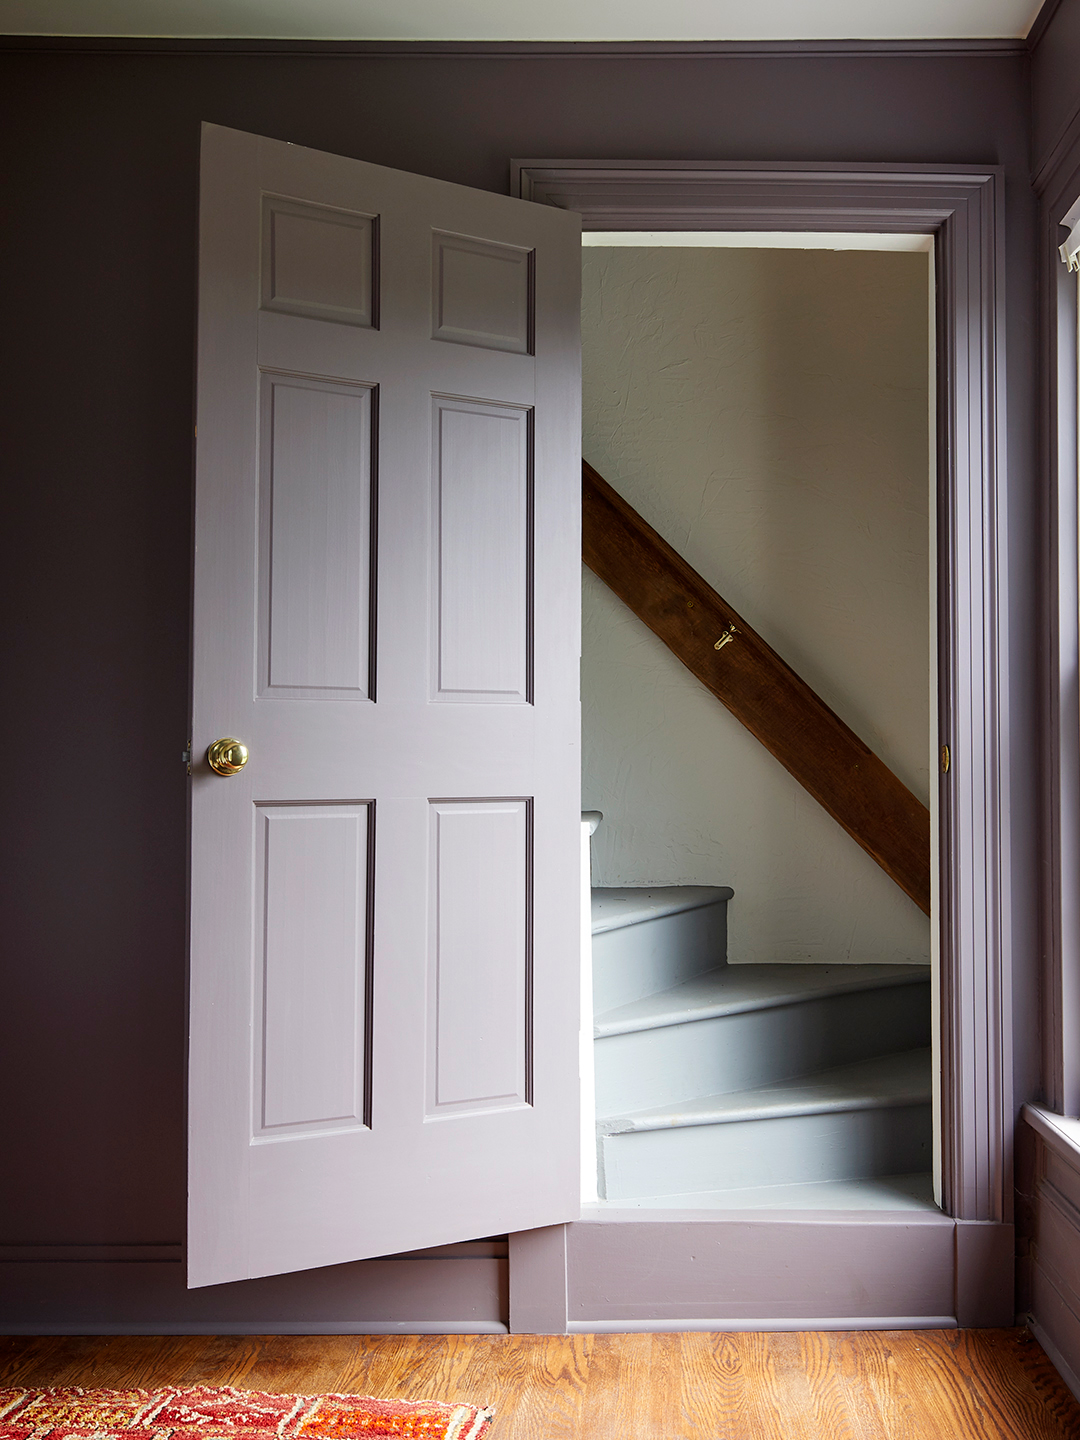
319,262
483,510
316,570
384,942
483,293
481,895
312,894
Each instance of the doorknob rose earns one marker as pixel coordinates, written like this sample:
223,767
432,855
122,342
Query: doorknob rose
227,757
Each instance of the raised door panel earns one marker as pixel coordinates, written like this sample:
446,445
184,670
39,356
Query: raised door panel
316,571
319,261
312,977
482,293
482,505
480,938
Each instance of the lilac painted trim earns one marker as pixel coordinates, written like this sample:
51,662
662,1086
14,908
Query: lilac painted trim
146,1297
984,1276
1060,657
538,1281
1059,152
963,207
729,1273
1041,23
1063,981
1057,1359
1060,1134
755,1323
262,1326
753,195
991,47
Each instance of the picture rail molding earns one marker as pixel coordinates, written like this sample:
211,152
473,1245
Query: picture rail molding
963,209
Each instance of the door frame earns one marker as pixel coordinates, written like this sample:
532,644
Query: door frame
962,207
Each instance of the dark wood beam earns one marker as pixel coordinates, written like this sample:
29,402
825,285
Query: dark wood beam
716,644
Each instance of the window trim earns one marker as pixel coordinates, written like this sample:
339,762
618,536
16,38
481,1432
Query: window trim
1061,615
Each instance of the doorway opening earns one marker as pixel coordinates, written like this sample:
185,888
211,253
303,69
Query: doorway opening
764,997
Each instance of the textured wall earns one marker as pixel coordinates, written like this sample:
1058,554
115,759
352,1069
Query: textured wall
767,411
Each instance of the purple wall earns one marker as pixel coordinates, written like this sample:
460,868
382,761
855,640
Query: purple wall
97,239
1055,81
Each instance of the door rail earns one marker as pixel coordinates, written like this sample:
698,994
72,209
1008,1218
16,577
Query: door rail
794,724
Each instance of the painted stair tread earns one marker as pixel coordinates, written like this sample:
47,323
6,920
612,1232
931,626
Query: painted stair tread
882,1192
884,1082
613,908
737,989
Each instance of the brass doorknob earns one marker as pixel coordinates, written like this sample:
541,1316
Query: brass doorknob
227,757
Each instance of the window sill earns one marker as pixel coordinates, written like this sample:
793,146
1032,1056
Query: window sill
1060,1133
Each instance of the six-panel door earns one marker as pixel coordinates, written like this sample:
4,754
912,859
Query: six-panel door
384,953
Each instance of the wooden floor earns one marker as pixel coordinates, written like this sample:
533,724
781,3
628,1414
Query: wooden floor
888,1385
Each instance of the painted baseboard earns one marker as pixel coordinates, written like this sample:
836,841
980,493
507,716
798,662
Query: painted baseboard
622,1271
463,1294
615,1271
752,1323
755,1270
634,1270
985,1274
1057,1359
260,1326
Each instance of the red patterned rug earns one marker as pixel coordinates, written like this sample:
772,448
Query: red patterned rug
222,1413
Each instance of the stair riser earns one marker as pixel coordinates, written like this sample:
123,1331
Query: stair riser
833,1146
639,960
739,1052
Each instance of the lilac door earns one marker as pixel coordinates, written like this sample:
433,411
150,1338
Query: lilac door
384,908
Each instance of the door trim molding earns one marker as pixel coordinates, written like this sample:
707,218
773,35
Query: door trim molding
962,207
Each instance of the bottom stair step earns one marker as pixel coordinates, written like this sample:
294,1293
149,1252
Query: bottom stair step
869,1119
885,1192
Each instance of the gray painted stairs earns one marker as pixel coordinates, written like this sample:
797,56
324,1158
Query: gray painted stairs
719,1085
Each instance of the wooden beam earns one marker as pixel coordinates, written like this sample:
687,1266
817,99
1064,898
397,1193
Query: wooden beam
716,644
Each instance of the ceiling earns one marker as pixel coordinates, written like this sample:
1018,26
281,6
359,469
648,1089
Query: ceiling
551,20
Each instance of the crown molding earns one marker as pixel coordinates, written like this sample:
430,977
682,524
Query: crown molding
516,49
1041,23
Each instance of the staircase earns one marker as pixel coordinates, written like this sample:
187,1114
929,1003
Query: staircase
717,1086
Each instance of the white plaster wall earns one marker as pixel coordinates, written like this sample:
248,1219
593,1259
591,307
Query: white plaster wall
767,411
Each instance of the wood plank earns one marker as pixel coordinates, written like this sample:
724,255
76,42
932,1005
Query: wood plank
828,759
814,1385
626,1386
730,1387
878,1394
